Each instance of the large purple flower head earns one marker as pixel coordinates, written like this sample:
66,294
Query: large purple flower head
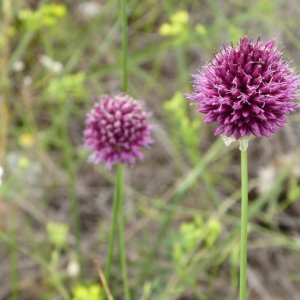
247,89
116,130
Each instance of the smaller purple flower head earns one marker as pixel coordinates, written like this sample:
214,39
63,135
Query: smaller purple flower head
247,89
116,129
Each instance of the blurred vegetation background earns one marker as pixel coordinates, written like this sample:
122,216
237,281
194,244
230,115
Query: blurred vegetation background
182,202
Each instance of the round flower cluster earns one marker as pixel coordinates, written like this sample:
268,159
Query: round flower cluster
247,89
116,130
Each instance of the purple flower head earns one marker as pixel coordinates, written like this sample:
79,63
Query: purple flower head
116,130
247,89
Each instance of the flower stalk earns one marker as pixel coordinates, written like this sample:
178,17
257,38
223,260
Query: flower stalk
124,45
244,223
120,167
113,231
118,206
122,242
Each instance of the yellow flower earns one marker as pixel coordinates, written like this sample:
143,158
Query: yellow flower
58,233
165,29
23,162
180,17
91,292
46,16
26,140
178,26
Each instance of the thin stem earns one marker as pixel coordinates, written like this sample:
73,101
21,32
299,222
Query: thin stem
5,80
124,20
244,226
113,229
118,215
118,212
14,260
124,54
122,232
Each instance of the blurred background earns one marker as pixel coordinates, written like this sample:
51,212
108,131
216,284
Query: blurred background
182,202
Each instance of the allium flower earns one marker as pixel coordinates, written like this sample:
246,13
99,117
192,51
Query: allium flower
116,130
247,89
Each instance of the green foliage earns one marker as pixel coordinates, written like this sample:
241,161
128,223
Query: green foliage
264,6
191,234
57,234
235,256
185,130
293,191
235,33
67,87
213,229
46,16
200,30
188,238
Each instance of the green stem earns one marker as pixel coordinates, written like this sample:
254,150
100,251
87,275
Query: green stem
124,20
118,216
122,232
124,54
5,76
14,260
118,196
244,226
112,235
